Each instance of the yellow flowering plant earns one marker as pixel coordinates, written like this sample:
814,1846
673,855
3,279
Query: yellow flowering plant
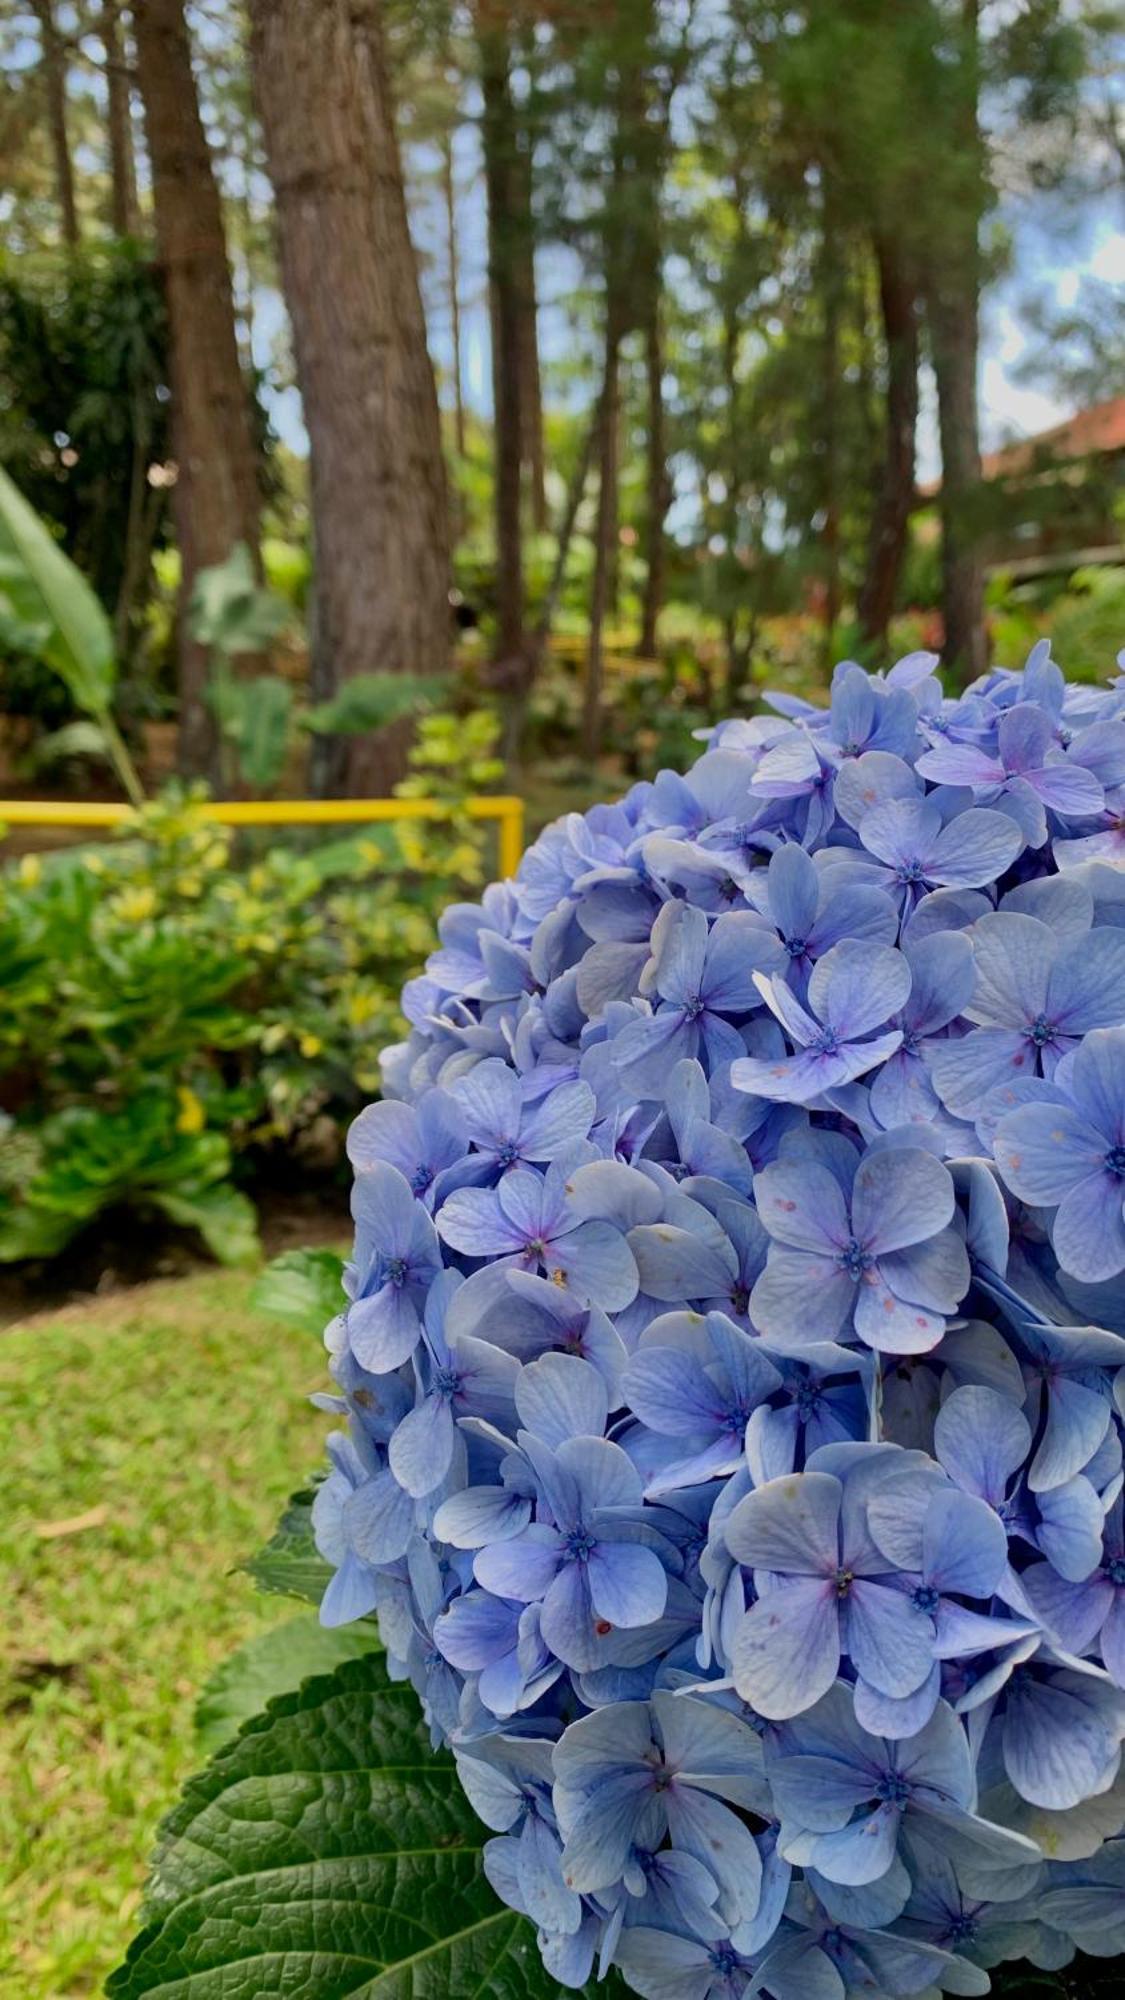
183,1010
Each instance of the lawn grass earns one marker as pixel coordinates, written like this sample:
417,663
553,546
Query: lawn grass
182,1414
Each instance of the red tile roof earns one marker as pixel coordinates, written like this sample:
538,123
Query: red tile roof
1101,428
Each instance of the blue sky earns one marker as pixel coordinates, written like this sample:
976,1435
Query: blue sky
1053,247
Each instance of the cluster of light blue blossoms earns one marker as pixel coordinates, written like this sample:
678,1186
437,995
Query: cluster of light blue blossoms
734,1369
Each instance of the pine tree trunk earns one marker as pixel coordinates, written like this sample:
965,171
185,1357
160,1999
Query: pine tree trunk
953,341
54,84
216,497
124,210
531,385
953,305
351,284
453,279
656,481
831,279
890,520
605,533
502,176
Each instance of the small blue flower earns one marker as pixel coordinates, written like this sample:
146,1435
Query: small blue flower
864,1243
853,991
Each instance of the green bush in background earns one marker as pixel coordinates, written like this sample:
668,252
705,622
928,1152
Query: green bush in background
178,1010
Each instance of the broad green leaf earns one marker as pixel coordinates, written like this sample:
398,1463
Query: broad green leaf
74,739
289,1565
226,1220
230,611
272,1663
302,1287
330,1853
254,717
42,592
371,701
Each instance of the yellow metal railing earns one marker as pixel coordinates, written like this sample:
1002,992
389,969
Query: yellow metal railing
505,808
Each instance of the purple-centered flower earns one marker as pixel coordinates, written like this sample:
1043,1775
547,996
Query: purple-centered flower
700,1391
502,1645
662,1965
866,716
1069,1154
507,1130
1036,995
424,1141
845,1796
395,1260
809,916
1028,770
701,975
532,1222
859,1246
579,1558
825,1591
853,991
463,1379
921,851
634,1774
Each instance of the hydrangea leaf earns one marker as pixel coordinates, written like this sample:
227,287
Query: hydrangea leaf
289,1565
271,1663
329,1850
302,1287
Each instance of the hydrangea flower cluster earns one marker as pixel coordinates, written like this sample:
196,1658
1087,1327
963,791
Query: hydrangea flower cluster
734,1368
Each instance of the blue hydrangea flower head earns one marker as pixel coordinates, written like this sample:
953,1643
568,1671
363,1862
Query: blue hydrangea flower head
731,1388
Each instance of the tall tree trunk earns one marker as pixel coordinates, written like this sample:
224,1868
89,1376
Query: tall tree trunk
351,283
831,279
453,278
605,533
54,85
124,210
953,306
890,519
216,496
576,493
656,478
531,385
953,343
502,178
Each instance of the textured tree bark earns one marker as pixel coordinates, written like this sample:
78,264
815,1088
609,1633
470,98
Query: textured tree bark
351,283
453,279
658,495
124,210
953,308
531,385
216,497
54,84
832,284
890,519
953,345
502,174
605,532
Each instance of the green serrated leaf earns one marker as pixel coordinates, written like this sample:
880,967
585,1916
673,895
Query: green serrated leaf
302,1287
289,1565
272,1663
330,1852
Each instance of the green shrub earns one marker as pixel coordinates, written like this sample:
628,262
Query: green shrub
178,1010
